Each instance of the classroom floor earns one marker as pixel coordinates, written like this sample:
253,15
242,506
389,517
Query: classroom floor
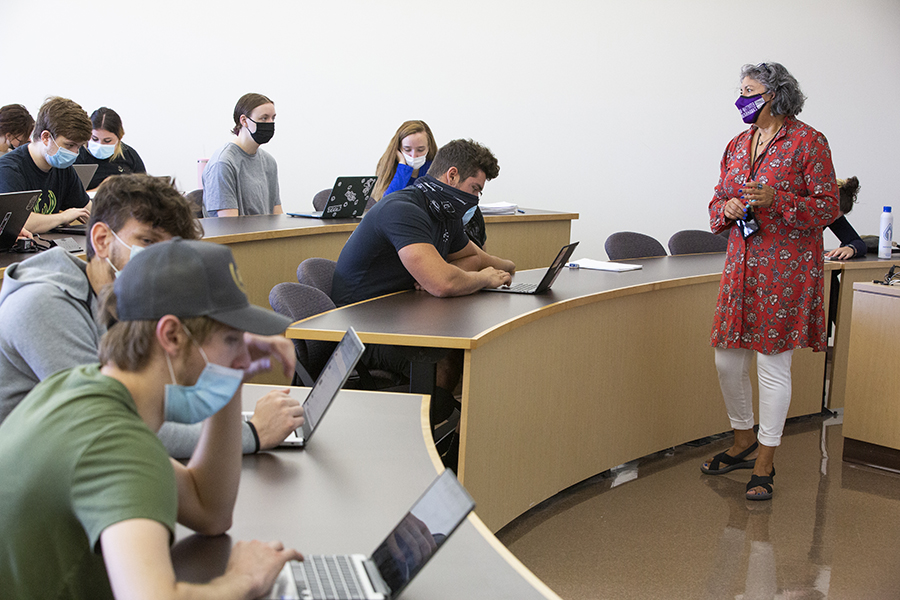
658,528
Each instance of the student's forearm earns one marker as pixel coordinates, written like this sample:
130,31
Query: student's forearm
214,472
38,223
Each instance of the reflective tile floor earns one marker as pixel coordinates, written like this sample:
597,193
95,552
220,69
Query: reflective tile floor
658,528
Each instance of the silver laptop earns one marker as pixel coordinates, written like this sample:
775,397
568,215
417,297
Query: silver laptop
347,199
550,276
394,563
85,173
14,210
333,377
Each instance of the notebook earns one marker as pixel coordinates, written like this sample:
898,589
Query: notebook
324,391
85,173
550,276
14,210
347,200
394,563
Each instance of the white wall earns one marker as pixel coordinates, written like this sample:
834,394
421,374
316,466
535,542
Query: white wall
617,110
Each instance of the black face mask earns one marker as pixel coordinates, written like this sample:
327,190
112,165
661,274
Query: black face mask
444,201
263,133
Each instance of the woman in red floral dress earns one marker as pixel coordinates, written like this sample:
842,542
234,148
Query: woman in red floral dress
776,192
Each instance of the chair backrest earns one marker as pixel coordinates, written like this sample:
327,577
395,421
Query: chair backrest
317,273
321,198
696,241
628,244
195,199
298,301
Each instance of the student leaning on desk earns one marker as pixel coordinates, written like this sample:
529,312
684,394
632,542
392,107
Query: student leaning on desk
48,304
45,164
91,500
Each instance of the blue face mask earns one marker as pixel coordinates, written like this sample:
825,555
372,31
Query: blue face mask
215,388
63,159
101,151
134,250
469,214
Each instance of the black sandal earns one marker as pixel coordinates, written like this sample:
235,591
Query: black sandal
731,462
763,481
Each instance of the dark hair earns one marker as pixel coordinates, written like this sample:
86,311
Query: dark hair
150,200
849,188
129,344
245,106
468,157
61,116
16,120
775,78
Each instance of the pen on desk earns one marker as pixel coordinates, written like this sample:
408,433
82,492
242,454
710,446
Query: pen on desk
519,210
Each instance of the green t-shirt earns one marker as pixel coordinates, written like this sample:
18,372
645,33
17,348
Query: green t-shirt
75,458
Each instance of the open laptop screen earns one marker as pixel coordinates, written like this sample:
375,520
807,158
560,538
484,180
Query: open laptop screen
422,531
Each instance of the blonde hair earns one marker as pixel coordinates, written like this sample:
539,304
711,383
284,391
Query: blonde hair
387,164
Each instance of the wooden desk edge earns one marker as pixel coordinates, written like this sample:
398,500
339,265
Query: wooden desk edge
530,216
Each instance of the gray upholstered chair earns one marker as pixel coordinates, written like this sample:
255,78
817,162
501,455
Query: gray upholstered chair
696,241
298,301
628,244
195,199
318,273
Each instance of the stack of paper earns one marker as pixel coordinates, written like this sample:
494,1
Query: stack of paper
599,265
498,208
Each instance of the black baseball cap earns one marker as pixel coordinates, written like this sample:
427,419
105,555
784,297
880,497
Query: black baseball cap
190,278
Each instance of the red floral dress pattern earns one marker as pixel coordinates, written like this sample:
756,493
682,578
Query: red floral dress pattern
771,292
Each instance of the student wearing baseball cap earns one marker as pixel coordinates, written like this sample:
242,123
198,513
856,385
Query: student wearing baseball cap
90,497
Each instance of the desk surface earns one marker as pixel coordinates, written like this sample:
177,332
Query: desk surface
363,469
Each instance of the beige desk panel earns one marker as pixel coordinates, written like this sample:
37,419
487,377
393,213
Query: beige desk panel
530,243
872,409
580,391
851,272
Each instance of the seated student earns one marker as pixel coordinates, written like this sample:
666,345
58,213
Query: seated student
241,178
851,244
408,157
414,238
16,125
107,150
48,304
90,499
46,164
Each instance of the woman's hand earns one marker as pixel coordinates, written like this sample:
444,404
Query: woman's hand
759,195
400,158
735,209
842,253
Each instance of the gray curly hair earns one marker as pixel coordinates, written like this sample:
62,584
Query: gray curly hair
788,98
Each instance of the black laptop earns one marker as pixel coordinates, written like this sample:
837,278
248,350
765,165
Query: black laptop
550,276
14,210
347,199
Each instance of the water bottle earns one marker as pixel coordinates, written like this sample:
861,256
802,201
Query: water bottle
886,231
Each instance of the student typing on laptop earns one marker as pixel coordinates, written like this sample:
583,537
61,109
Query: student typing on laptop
48,304
89,497
414,238
45,164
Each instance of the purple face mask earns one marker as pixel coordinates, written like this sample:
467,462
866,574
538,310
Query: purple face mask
750,107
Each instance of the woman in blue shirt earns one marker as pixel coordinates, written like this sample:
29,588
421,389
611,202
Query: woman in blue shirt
408,156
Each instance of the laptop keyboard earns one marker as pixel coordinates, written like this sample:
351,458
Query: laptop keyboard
523,287
329,577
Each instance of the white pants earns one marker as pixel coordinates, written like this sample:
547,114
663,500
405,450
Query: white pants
774,372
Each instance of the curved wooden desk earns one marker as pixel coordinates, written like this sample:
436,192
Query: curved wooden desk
363,469
602,369
268,248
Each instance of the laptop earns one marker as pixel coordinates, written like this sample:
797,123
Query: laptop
394,563
14,210
347,200
324,391
85,173
550,276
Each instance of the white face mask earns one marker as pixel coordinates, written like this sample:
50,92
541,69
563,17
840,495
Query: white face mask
416,162
134,250
101,151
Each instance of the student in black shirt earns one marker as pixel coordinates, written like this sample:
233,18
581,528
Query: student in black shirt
45,164
16,125
107,150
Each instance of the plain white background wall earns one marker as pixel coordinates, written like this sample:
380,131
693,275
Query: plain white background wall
619,111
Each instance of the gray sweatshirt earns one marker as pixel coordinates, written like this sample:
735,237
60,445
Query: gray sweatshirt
47,324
